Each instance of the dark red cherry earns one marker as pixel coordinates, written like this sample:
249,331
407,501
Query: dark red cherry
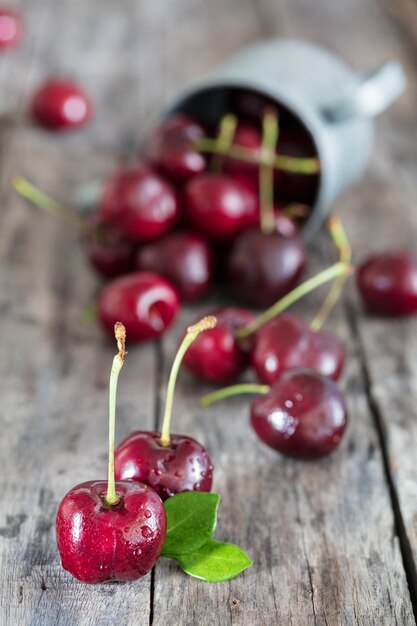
11,27
170,148
297,187
139,202
304,415
184,258
263,268
218,206
61,104
387,282
108,251
146,302
98,543
182,466
216,355
287,342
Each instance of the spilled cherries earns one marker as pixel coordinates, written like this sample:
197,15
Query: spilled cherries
185,258
148,303
170,148
387,283
61,104
141,204
11,28
108,530
167,462
302,415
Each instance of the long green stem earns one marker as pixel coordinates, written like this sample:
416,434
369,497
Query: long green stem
233,390
338,269
342,244
270,132
111,498
228,125
296,165
192,333
44,202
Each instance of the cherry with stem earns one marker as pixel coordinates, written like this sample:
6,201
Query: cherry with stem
170,463
302,415
220,355
108,530
288,341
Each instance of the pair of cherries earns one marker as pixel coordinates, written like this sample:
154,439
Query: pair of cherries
115,529
272,343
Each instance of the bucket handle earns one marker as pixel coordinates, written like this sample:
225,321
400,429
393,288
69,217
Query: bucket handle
375,92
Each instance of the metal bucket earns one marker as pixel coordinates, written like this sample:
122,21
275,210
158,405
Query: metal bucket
335,105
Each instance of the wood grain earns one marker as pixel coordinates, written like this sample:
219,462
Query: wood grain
324,537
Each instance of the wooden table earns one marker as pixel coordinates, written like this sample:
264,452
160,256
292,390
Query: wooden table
333,542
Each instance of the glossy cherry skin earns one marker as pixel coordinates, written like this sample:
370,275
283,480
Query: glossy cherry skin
170,148
120,543
183,257
146,302
182,466
287,342
61,104
108,251
11,28
263,268
304,415
387,283
139,202
216,355
219,206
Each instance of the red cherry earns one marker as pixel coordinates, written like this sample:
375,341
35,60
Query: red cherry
61,104
219,206
11,28
184,258
216,355
297,187
182,466
304,415
108,251
98,543
141,204
170,148
147,303
287,342
263,268
387,282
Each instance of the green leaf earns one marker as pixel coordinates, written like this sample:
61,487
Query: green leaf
191,521
214,562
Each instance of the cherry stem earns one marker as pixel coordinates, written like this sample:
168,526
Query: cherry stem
111,498
295,165
332,272
342,244
192,333
234,390
227,131
44,202
270,132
